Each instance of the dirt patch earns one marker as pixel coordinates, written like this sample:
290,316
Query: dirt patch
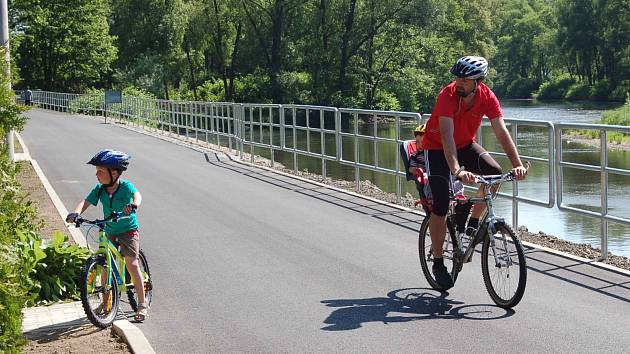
82,338
39,197
73,338
17,148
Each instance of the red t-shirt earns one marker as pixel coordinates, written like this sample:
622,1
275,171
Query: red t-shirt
466,122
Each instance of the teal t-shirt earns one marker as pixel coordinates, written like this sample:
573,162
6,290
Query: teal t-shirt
116,202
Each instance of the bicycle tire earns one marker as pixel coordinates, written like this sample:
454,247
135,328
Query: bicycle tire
91,275
451,257
502,275
148,286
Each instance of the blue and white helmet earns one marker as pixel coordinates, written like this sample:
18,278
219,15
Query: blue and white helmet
470,67
111,159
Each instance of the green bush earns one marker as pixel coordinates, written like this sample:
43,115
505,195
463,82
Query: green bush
134,91
556,88
577,92
621,91
55,267
600,91
16,216
211,91
521,88
618,116
386,101
253,88
295,87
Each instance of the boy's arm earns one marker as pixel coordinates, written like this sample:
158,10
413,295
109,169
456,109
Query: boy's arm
137,199
82,206
135,203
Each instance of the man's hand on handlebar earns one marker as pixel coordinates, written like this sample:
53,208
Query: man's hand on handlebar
466,177
520,172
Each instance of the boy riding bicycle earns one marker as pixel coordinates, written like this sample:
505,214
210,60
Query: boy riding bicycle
118,195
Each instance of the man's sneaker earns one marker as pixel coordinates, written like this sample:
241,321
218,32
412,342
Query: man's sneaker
442,277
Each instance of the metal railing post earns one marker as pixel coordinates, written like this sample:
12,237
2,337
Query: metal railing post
322,136
271,152
357,170
604,193
514,132
398,180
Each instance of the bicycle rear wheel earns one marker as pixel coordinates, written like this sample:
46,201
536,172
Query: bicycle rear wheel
425,252
503,267
148,283
100,302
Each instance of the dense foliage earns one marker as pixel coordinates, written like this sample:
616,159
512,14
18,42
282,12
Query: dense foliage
388,54
15,216
32,271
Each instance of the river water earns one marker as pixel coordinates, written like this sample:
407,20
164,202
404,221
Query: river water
581,188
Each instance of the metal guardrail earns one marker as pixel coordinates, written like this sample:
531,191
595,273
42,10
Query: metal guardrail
375,139
549,160
302,130
602,168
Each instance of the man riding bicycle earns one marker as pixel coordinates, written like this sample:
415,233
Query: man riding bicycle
449,143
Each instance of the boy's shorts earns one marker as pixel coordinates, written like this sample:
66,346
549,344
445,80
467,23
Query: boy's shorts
128,242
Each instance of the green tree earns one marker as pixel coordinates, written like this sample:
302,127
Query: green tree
65,45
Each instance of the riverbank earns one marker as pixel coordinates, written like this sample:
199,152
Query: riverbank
596,142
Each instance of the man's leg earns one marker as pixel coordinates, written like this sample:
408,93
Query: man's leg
437,230
482,163
439,174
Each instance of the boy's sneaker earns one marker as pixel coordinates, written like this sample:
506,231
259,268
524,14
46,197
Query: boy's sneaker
442,277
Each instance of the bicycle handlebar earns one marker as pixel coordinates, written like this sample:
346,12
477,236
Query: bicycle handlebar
114,217
497,179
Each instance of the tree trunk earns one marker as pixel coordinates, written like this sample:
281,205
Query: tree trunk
191,69
276,42
345,47
369,92
218,47
231,72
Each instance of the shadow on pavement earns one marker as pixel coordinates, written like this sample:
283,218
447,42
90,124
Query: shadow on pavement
405,305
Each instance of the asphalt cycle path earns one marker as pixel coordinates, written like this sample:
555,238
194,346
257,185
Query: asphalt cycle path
247,260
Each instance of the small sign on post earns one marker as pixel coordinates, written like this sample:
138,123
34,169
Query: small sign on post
112,96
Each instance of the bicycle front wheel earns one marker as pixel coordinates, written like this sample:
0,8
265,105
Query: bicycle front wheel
425,252
100,301
503,267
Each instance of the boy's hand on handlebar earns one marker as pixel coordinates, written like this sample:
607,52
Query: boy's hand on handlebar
71,217
129,208
519,172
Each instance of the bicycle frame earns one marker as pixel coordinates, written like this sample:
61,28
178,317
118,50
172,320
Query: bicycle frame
114,260
490,219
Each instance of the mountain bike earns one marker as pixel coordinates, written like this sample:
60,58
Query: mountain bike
102,281
503,263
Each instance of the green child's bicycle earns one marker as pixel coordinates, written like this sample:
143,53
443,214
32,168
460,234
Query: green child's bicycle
102,281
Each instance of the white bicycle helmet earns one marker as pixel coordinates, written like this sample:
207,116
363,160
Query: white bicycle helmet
470,67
